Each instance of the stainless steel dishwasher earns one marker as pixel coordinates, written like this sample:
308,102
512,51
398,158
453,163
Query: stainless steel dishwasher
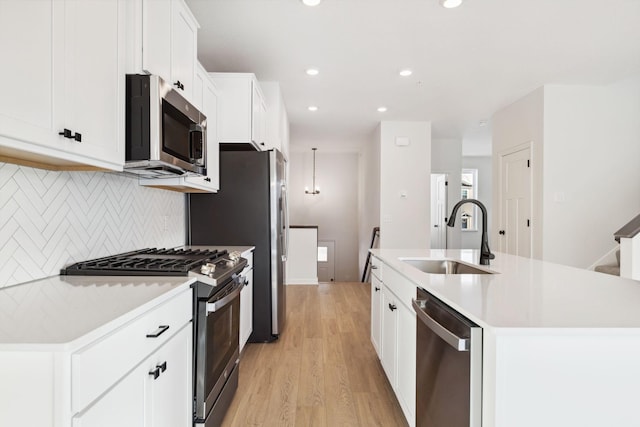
448,366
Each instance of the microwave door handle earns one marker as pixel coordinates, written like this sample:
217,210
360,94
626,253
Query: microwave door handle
196,129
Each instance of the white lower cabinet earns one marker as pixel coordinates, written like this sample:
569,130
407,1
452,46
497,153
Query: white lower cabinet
122,406
153,394
165,402
406,359
376,311
246,301
396,332
389,335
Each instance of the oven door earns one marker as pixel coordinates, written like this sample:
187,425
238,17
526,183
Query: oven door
218,346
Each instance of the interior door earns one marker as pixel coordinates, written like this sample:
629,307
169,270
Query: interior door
438,211
515,203
326,261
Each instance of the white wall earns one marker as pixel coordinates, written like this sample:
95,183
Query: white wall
446,157
519,123
471,239
592,158
406,221
368,195
586,146
334,210
52,219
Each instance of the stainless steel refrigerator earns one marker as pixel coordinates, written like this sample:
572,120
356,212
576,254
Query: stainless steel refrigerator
250,209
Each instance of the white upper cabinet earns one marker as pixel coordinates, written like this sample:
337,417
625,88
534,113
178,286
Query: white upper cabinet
169,43
242,114
63,103
276,119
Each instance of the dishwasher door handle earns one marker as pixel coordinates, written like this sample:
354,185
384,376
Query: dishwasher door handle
460,344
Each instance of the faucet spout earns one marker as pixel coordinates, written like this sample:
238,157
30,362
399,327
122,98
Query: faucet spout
485,252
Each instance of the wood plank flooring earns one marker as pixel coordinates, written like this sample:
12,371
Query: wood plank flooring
323,371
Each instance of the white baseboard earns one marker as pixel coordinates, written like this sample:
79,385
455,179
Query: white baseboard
306,281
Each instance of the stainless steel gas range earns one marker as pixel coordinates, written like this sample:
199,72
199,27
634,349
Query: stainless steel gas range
216,309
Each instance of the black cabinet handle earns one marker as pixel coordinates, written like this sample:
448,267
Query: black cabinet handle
376,288
162,366
501,232
68,133
392,307
208,179
155,373
161,330
179,85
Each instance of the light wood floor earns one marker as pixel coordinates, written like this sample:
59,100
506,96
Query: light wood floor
323,371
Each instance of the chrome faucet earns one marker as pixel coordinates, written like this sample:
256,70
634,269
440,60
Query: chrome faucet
485,252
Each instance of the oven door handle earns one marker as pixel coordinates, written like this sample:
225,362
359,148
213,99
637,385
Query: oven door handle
212,307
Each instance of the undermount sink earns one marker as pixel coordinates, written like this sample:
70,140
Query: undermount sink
444,266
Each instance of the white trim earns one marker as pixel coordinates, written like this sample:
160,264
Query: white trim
302,281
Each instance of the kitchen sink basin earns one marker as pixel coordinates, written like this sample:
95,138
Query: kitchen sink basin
444,266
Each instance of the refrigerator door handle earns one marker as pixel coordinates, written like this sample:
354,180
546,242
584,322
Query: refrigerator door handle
285,225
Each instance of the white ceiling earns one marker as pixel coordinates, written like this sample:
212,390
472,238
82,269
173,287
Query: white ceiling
467,62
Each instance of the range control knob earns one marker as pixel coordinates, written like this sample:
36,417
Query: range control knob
208,269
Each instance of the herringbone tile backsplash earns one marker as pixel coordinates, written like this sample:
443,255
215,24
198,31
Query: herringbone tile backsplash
51,219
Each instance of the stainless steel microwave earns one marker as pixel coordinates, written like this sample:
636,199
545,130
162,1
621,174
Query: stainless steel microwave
165,134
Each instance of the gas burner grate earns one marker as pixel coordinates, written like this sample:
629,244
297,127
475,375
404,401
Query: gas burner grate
146,262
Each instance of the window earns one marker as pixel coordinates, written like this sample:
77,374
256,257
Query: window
469,190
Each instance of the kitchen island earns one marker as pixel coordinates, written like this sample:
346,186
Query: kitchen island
561,345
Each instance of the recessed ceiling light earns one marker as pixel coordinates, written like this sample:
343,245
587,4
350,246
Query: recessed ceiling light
311,2
382,109
406,73
450,4
312,108
312,71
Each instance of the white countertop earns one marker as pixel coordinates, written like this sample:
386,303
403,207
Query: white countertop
64,311
526,293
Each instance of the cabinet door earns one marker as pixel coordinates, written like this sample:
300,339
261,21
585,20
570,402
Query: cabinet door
183,49
406,360
27,45
389,335
376,304
210,182
258,115
246,310
169,394
122,406
156,37
93,99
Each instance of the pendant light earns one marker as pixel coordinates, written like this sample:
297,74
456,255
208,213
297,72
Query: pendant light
316,189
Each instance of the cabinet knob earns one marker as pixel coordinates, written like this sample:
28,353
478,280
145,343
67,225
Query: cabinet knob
155,373
501,232
392,307
179,85
376,288
207,179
